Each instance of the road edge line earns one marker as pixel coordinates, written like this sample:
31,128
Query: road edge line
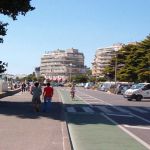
128,132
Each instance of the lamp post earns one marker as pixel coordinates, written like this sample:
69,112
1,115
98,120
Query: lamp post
116,66
116,69
70,71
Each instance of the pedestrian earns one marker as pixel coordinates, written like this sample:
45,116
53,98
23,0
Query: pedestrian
23,87
36,91
47,95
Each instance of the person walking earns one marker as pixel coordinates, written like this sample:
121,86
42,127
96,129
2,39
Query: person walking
36,91
47,95
23,87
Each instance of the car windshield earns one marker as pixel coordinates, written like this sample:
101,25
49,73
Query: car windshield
137,86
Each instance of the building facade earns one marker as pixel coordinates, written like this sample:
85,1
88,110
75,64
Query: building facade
102,59
61,65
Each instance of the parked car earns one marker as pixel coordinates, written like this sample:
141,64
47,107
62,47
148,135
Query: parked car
122,87
80,84
138,91
89,85
106,86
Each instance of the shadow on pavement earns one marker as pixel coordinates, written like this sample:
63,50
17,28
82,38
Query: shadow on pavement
123,115
25,110
128,115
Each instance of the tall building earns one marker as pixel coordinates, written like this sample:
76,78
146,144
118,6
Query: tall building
61,64
102,59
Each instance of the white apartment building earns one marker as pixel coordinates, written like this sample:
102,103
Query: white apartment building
102,59
61,65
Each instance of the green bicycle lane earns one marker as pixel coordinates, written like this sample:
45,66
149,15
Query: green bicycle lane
95,131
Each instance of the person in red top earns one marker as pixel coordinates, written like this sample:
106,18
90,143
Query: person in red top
47,95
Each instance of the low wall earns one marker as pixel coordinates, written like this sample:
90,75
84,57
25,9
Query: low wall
9,93
3,86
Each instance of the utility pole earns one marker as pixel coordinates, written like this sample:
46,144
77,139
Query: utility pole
116,69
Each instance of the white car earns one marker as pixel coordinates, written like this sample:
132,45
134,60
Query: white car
138,91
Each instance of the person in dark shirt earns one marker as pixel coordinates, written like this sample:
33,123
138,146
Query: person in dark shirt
23,87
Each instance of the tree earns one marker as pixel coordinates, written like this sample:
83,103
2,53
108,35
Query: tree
13,8
3,67
82,78
133,63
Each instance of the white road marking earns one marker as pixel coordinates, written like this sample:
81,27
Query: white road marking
140,118
84,101
71,109
104,109
122,115
101,101
148,108
121,127
125,130
139,110
128,132
137,127
121,109
88,109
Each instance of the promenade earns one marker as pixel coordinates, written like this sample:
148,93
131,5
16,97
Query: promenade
23,129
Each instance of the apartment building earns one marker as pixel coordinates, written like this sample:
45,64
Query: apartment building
102,59
61,65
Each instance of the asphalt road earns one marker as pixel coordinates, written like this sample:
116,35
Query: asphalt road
100,120
21,128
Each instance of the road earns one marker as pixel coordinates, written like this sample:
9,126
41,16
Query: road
100,120
96,121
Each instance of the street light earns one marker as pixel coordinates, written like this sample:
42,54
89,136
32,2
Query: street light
117,55
116,61
116,66
70,71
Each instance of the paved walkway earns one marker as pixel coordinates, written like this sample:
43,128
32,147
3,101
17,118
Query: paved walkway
23,129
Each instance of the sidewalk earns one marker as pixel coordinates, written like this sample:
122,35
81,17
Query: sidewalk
23,129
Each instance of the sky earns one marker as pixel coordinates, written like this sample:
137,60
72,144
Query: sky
85,25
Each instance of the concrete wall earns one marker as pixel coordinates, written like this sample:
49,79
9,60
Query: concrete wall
3,86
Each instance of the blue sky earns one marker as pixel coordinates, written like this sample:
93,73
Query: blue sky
82,24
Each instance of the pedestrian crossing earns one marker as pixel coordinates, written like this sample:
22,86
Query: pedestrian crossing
109,110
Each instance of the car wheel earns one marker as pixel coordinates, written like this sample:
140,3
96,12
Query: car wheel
138,98
129,99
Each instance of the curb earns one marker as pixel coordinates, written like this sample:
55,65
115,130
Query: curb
67,138
65,124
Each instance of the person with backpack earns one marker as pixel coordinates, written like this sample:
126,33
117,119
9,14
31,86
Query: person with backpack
47,95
